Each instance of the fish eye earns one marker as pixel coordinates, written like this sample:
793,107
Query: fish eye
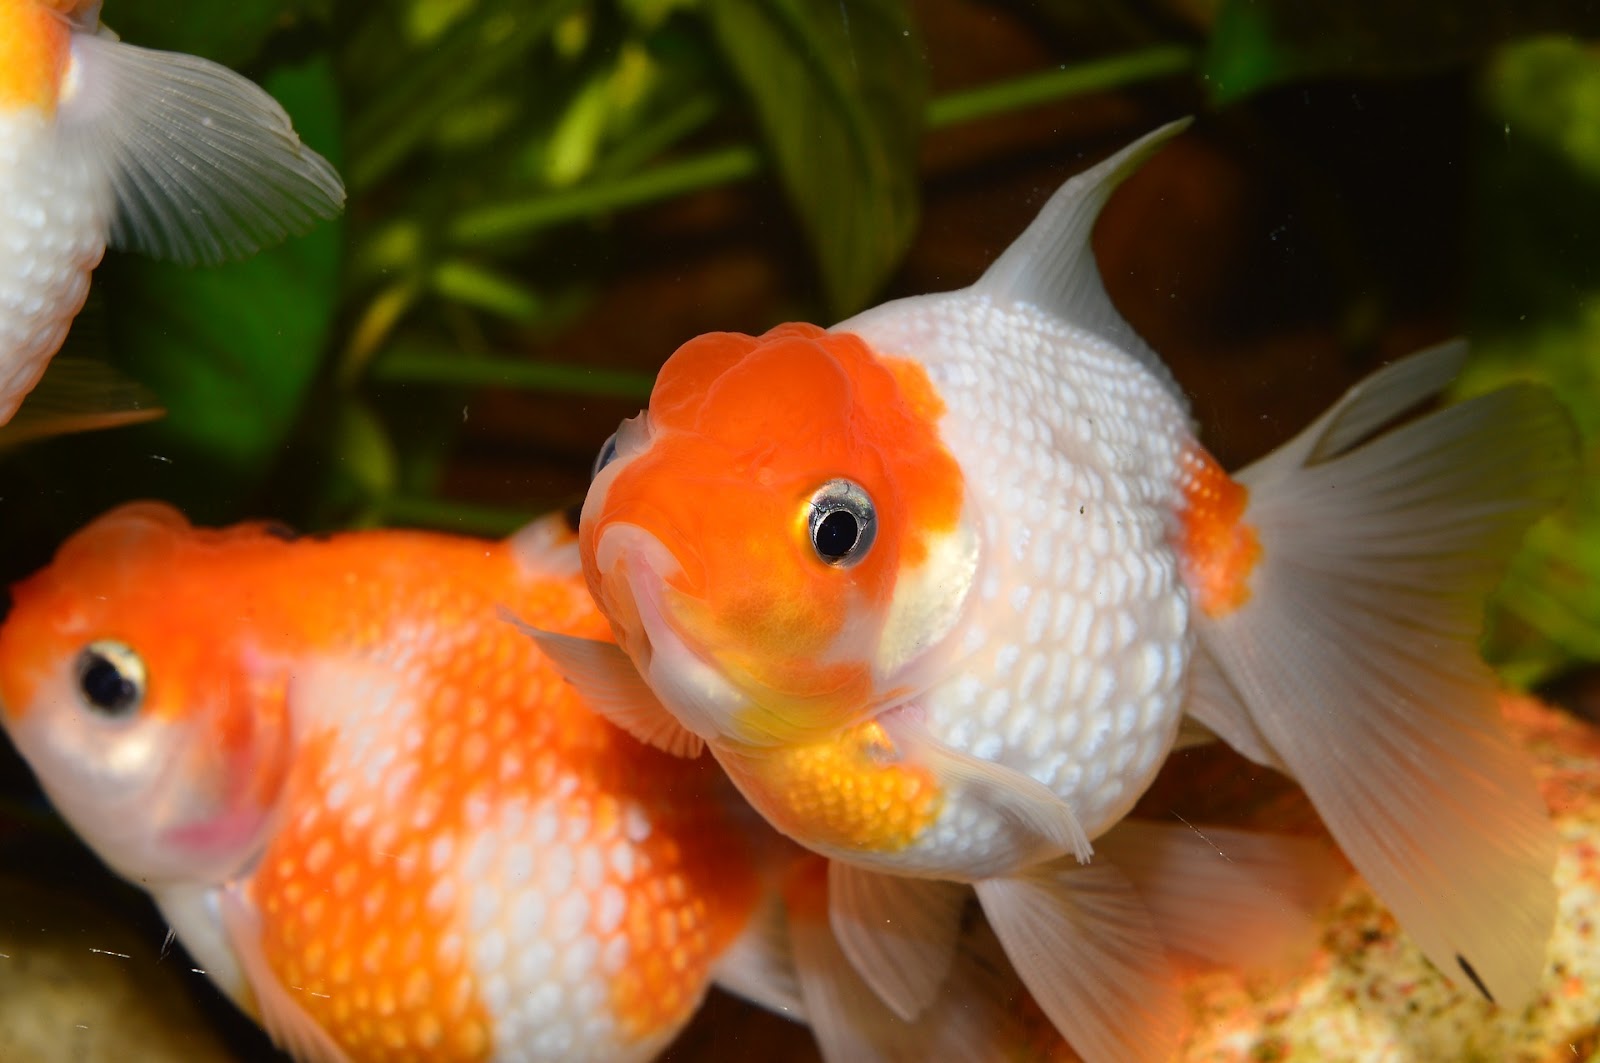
841,522
111,678
608,454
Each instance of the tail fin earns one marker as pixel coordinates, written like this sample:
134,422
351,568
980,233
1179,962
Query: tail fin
1353,662
1225,897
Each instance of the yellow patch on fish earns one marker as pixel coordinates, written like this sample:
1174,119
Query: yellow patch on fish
33,55
850,793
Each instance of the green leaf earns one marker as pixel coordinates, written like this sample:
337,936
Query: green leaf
1259,43
231,350
840,90
230,33
1537,316
468,56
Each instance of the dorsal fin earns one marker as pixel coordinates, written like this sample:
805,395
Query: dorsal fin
1052,265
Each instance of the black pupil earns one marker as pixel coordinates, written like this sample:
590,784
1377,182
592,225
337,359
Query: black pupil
836,535
105,687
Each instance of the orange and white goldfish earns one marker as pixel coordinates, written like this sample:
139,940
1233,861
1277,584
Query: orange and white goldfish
100,140
382,822
938,585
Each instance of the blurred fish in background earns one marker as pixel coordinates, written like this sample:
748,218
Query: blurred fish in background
161,152
384,825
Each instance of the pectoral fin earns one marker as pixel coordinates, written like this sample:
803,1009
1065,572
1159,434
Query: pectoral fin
279,1013
79,395
611,686
205,165
1043,820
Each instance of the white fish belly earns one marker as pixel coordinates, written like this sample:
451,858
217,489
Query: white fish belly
54,216
1069,662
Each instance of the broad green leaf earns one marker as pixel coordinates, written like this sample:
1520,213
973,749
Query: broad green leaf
840,90
1259,43
231,350
1537,316
230,33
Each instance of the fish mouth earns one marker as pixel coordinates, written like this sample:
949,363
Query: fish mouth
636,570
231,832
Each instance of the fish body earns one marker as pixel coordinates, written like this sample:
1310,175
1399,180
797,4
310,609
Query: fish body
380,820
156,151
938,585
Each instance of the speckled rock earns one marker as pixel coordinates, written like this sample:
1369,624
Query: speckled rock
1368,995
77,985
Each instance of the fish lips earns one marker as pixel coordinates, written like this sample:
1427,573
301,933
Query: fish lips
636,570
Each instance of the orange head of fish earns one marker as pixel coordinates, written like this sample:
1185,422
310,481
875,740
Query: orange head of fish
35,49
781,535
158,733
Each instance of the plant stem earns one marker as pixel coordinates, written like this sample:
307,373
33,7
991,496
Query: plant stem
416,365
1067,81
519,217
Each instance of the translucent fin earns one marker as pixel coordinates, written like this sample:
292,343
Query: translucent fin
899,933
1043,819
971,1019
194,913
547,547
79,395
1228,897
612,687
1380,398
1088,950
285,1021
759,965
1191,733
1052,264
205,165
1355,660
1215,706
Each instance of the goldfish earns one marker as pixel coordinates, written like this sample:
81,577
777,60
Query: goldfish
941,586
102,141
386,827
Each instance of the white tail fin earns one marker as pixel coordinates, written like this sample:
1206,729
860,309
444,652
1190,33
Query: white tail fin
1353,664
1228,897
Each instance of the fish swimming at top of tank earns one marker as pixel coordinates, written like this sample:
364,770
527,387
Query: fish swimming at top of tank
938,584
155,151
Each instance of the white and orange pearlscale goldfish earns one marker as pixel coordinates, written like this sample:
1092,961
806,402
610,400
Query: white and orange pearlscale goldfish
937,586
385,826
164,153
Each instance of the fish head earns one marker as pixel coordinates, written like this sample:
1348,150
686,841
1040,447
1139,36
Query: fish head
35,52
158,735
781,536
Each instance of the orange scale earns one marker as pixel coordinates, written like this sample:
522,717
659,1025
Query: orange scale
1217,550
